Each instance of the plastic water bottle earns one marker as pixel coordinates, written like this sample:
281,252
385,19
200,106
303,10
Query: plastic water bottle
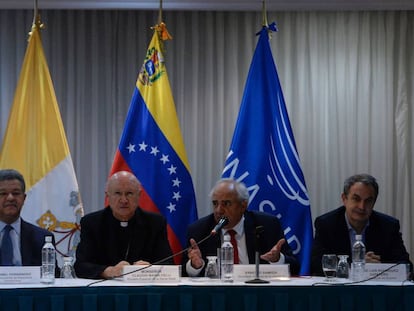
358,259
48,261
226,260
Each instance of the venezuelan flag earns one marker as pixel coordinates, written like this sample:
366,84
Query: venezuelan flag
35,144
152,147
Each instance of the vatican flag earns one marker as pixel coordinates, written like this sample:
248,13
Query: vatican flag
35,144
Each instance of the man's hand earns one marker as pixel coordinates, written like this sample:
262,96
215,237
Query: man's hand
274,254
141,263
114,271
194,254
370,257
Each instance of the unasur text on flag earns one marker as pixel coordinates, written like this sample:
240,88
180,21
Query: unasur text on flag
263,153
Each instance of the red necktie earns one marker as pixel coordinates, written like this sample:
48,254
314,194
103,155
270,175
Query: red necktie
234,243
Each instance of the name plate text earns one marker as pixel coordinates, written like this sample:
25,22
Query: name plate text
156,273
19,275
398,273
266,272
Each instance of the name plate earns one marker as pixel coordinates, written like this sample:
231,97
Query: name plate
156,273
19,275
266,272
399,273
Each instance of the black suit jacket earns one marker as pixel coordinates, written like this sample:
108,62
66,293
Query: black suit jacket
98,246
32,239
382,236
271,235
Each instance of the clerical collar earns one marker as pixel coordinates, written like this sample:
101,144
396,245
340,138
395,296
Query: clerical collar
123,224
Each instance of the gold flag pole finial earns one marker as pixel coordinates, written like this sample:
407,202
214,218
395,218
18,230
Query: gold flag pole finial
161,28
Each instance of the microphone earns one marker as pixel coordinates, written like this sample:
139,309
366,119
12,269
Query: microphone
221,223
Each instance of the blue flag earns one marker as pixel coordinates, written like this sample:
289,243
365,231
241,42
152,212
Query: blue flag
263,154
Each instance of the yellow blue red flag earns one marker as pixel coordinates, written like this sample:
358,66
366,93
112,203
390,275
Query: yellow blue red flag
35,144
152,148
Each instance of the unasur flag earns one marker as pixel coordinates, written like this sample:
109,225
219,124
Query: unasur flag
263,153
152,147
35,144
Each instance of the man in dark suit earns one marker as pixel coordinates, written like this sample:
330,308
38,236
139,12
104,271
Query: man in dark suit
26,239
121,234
230,199
335,231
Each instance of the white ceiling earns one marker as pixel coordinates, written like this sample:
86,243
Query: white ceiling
215,5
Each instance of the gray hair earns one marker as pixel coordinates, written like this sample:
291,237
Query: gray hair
239,187
366,179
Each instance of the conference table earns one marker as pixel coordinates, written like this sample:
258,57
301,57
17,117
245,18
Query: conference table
296,293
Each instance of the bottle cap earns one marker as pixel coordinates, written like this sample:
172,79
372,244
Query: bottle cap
48,238
226,238
358,237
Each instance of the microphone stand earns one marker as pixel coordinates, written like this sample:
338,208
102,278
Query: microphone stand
257,280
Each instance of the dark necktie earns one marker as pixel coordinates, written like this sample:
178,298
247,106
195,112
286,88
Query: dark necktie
234,243
6,247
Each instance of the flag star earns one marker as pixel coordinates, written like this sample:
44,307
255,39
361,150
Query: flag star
176,182
177,196
143,146
131,148
154,150
172,169
164,159
171,207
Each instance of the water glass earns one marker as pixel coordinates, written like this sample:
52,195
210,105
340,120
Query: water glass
67,271
342,270
212,268
329,265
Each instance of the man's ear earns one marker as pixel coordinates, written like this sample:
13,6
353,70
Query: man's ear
343,197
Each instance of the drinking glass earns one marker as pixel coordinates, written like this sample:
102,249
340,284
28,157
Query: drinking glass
67,271
212,268
342,270
329,265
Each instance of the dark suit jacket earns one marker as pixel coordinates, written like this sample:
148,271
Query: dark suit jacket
271,235
382,236
98,246
32,239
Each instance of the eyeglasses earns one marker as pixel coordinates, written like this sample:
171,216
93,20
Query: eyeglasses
4,194
223,203
128,194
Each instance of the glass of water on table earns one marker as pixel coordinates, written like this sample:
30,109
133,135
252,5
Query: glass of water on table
329,265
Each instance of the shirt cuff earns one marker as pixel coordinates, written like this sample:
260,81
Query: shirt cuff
191,271
280,262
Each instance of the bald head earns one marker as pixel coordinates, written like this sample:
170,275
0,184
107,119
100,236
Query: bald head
123,190
123,176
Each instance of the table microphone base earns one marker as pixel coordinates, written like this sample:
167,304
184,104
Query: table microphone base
257,281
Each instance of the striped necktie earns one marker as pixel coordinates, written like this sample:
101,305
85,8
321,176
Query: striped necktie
7,247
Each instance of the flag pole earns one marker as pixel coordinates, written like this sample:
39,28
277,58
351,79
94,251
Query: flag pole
160,14
36,18
264,13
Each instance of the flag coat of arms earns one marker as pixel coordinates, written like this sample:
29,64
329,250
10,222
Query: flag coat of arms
35,144
152,147
263,153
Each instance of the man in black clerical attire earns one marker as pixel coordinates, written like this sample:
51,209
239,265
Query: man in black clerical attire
121,234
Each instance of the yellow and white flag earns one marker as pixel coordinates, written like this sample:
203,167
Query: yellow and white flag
35,144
